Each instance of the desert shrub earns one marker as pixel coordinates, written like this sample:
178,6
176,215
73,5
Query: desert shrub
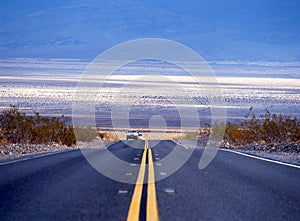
268,128
234,134
85,134
17,127
108,136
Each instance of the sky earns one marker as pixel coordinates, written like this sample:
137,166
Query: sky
248,30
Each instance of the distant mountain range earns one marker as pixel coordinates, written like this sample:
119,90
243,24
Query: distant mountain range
235,30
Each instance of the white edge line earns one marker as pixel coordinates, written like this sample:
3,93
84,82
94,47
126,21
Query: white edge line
180,144
261,158
35,157
44,155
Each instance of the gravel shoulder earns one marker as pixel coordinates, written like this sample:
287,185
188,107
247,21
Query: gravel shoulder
17,151
283,152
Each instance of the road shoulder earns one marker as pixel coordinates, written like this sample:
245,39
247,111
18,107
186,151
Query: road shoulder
280,156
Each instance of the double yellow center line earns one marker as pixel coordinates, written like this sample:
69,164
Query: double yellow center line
152,209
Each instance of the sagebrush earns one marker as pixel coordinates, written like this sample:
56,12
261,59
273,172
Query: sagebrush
268,128
17,127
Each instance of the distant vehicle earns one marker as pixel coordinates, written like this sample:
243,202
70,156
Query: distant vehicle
132,135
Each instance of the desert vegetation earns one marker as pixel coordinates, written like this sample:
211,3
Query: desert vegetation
17,127
266,129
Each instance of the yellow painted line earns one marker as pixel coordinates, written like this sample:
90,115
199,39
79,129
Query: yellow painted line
152,209
134,209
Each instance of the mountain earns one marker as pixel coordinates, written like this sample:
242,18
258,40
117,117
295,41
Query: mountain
235,30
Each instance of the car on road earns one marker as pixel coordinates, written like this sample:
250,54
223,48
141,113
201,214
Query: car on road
132,135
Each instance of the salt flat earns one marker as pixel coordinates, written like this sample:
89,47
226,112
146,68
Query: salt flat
48,86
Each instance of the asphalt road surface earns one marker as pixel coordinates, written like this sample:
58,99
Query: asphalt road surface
65,186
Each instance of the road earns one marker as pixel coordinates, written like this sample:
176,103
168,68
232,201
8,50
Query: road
65,186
